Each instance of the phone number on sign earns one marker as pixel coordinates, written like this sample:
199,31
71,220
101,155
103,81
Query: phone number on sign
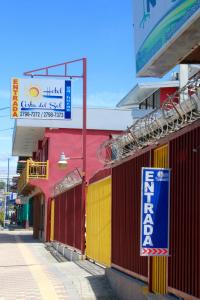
38,114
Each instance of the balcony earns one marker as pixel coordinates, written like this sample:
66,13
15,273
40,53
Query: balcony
33,170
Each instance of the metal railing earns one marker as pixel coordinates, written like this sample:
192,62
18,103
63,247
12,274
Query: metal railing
71,180
177,111
33,170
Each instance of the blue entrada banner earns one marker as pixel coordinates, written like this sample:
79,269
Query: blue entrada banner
155,200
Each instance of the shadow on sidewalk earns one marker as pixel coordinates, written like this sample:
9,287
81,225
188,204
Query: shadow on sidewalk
101,287
98,281
9,236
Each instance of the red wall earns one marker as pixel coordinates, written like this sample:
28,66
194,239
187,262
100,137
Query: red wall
165,92
126,189
69,141
68,218
184,260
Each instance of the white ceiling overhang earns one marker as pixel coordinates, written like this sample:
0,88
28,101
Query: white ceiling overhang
25,140
142,91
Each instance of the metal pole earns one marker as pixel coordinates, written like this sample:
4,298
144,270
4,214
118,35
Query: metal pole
150,259
7,190
8,175
4,221
84,133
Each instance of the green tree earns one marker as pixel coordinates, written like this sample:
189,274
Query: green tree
1,218
2,185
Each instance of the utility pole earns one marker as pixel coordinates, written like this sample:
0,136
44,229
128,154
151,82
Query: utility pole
8,174
7,190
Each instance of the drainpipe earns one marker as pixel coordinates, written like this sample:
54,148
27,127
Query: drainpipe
183,79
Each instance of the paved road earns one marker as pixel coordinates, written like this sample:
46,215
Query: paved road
29,272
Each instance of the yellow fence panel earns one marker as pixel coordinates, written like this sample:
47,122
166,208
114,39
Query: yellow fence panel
98,222
52,220
159,264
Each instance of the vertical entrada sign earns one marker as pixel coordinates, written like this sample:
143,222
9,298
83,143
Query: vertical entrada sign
154,237
41,99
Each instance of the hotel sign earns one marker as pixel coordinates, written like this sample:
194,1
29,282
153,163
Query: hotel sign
40,99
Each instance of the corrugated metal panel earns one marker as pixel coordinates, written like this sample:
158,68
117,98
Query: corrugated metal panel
126,204
98,221
56,218
184,262
101,174
78,242
62,227
159,264
52,220
68,218
48,220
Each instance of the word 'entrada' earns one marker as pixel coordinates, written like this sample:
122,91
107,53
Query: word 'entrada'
148,208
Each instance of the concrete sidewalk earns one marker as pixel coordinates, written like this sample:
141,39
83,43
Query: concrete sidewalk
29,271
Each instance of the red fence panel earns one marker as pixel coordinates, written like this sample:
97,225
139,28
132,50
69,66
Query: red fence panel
184,262
68,218
126,194
78,217
62,226
48,225
56,219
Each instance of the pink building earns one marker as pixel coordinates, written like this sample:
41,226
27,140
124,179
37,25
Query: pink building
44,141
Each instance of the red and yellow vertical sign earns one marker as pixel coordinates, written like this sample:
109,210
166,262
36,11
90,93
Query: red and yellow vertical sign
15,98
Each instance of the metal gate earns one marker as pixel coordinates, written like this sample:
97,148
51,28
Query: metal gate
126,204
52,220
68,219
98,221
184,261
159,264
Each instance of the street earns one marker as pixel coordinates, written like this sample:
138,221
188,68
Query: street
29,271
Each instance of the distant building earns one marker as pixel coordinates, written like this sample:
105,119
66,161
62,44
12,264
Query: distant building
145,97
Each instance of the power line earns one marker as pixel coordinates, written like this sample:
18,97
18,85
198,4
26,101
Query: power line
7,129
3,108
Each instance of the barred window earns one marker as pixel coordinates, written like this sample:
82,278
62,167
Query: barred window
151,102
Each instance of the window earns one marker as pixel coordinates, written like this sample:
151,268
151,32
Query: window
45,151
151,102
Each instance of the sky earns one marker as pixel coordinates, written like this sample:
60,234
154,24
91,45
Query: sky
39,33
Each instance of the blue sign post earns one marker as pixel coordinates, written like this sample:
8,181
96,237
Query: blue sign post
155,191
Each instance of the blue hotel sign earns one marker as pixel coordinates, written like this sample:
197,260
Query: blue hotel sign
154,237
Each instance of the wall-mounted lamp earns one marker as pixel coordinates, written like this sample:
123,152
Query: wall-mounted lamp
63,160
